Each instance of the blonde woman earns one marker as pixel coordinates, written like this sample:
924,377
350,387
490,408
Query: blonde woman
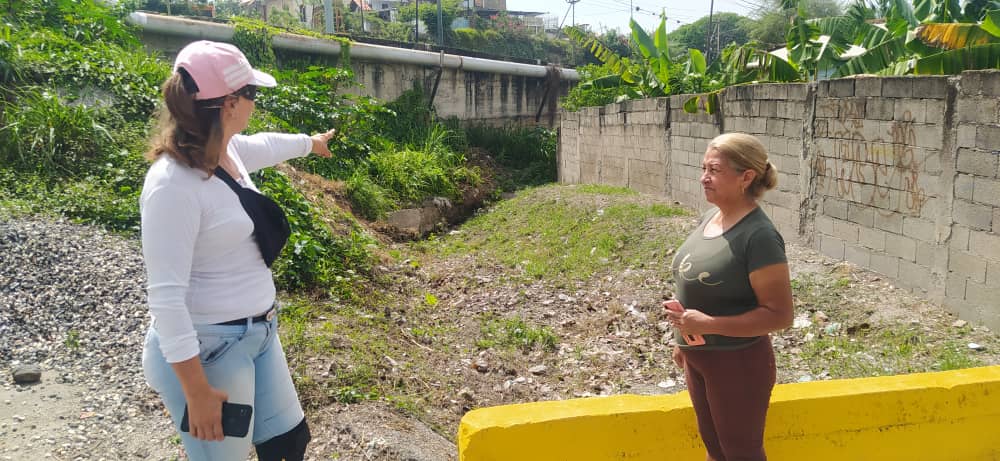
733,290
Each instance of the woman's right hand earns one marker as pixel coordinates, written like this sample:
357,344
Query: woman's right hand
205,413
678,357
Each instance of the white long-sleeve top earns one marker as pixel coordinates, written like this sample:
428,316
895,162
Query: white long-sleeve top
202,263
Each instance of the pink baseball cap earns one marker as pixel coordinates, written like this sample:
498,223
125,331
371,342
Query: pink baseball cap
219,69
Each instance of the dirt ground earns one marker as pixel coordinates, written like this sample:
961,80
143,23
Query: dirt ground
612,338
428,358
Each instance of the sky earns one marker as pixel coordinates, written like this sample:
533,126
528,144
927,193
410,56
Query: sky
614,14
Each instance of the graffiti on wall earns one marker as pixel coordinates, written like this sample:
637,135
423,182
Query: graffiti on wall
868,171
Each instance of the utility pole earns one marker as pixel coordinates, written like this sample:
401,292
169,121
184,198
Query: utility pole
416,25
440,25
361,5
708,32
572,5
328,16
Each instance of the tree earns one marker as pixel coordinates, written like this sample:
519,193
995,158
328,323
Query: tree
732,28
428,15
774,19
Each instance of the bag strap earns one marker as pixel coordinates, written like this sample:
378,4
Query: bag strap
222,174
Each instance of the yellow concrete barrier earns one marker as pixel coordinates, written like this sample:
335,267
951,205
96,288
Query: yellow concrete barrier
952,415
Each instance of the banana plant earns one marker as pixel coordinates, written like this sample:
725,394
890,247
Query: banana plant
647,77
962,46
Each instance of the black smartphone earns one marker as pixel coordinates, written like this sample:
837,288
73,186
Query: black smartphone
235,419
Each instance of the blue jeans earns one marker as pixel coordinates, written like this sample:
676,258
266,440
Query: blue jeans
245,361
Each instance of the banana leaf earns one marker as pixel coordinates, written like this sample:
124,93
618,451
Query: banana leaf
955,61
954,35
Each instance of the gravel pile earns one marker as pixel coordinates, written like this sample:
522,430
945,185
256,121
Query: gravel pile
72,301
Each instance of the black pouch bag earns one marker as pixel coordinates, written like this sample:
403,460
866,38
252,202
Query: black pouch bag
270,226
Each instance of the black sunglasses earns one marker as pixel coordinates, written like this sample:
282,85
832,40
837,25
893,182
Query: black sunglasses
249,92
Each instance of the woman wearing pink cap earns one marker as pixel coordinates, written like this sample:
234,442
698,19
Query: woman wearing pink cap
208,240
733,290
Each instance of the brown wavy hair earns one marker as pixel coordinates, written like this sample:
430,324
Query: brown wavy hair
190,131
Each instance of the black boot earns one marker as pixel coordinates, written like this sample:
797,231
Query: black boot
290,446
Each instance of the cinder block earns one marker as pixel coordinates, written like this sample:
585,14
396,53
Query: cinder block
930,87
797,91
919,229
901,247
932,161
985,245
832,247
792,129
966,109
885,264
891,222
871,238
909,110
927,255
963,186
986,191
846,231
827,108
934,111
967,265
959,239
835,208
897,87
990,83
929,136
954,286
966,135
980,293
824,225
993,274
996,220
987,137
867,86
915,276
841,88
860,214
857,255
879,108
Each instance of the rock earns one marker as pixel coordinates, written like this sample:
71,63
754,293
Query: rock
976,346
481,365
27,374
820,317
538,370
801,321
959,323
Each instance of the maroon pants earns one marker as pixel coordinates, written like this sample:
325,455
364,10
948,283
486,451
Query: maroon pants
730,391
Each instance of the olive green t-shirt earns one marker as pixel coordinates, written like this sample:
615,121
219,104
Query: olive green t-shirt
713,273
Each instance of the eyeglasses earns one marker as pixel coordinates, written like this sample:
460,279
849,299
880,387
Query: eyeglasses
249,92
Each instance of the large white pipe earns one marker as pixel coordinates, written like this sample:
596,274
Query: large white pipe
172,25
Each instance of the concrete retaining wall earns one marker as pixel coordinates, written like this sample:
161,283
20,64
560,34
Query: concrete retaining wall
898,175
947,416
478,96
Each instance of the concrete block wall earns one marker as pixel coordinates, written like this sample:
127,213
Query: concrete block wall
973,272
778,121
689,135
877,149
619,144
899,175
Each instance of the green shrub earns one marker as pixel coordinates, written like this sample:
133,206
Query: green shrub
371,200
315,258
45,134
528,153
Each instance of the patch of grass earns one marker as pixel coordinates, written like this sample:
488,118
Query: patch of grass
603,189
954,355
560,237
515,333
